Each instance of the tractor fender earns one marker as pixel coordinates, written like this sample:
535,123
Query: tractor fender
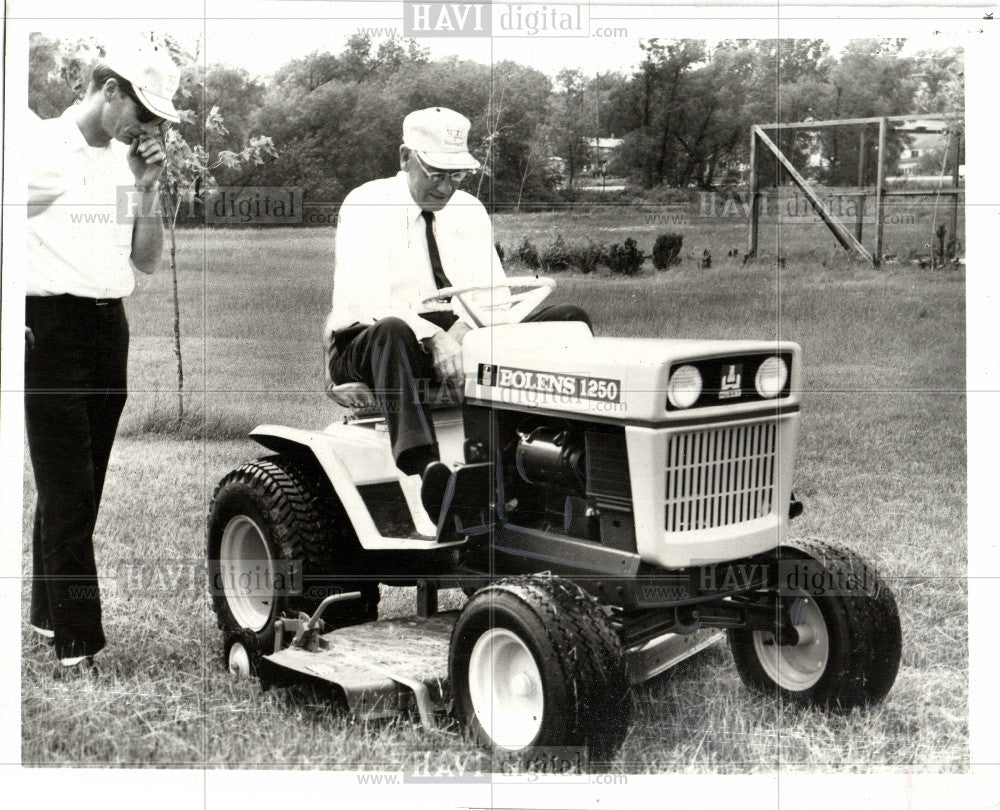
331,449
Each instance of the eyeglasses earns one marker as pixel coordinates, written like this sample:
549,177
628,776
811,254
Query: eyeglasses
143,114
438,177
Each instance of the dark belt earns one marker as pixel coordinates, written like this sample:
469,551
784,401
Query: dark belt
66,298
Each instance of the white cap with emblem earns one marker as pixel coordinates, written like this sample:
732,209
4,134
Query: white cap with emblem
439,136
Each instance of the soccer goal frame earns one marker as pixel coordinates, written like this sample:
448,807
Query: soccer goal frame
760,141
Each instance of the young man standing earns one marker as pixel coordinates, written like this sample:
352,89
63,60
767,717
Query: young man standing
100,159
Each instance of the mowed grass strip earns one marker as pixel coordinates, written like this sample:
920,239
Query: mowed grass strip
881,467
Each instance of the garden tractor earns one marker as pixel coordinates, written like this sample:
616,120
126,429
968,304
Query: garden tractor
610,507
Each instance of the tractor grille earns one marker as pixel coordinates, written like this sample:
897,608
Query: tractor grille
720,477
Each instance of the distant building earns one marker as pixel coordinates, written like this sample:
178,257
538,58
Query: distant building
732,172
601,152
923,136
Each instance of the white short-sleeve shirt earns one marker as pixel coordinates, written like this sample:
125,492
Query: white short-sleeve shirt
80,244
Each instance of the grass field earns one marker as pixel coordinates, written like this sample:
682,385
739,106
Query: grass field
882,468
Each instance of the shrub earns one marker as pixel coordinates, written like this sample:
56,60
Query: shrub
557,256
527,254
666,249
588,256
625,259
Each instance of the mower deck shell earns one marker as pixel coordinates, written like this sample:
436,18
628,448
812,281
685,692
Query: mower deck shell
392,666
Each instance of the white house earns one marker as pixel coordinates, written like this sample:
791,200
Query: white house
922,136
601,150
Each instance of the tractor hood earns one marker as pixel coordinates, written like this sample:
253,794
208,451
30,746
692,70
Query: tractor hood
561,367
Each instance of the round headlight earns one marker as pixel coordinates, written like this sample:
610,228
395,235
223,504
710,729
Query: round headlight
771,377
684,387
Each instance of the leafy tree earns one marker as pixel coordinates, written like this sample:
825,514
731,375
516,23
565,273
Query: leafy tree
346,131
301,76
237,98
939,161
58,71
569,122
512,137
940,80
690,105
869,79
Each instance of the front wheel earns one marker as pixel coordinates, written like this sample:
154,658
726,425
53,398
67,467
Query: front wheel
848,645
535,665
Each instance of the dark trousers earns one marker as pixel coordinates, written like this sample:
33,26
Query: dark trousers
75,389
389,359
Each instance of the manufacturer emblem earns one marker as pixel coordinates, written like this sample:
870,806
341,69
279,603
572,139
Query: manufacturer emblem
487,374
731,382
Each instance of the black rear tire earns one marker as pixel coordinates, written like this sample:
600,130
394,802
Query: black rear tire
535,665
852,643
273,543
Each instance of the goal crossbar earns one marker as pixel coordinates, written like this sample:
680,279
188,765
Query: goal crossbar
856,122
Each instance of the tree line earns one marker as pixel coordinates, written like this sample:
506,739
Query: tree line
684,113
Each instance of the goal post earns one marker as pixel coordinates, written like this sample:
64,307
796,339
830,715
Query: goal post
763,142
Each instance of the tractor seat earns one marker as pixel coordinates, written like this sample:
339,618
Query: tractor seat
360,401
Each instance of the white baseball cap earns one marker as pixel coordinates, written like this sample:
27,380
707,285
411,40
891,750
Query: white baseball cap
152,74
439,136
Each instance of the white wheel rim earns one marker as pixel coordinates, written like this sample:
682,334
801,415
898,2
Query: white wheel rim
239,660
796,667
247,572
506,689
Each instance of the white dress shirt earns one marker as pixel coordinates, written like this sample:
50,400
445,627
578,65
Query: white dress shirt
382,265
77,245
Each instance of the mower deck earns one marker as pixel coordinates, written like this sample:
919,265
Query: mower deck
391,666
383,667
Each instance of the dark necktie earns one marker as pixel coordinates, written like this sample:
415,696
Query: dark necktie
440,279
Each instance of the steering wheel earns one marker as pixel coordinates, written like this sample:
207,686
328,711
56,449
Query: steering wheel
506,309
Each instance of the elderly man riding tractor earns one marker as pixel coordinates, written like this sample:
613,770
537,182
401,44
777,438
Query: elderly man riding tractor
610,506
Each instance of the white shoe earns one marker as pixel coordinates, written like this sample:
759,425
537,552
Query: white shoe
43,632
81,666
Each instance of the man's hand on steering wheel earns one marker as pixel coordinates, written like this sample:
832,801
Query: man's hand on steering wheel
447,354
505,308
459,330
